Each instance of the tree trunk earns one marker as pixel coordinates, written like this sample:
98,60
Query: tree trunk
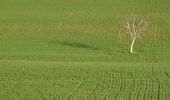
132,44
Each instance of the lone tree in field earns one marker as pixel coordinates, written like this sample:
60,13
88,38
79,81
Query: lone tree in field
135,26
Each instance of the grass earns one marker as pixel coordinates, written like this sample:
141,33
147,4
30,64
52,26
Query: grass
84,80
60,50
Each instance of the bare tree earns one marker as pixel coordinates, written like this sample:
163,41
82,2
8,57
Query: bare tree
135,26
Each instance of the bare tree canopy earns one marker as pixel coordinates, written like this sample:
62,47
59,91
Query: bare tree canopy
135,26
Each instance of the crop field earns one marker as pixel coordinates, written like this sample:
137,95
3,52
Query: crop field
74,50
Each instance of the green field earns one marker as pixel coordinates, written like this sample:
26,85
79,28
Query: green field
74,50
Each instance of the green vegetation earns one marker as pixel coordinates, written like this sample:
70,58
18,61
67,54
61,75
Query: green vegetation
73,50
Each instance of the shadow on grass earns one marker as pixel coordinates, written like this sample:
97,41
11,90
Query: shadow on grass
74,44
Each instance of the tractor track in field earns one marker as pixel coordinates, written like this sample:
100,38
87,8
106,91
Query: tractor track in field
145,90
138,90
119,89
104,96
81,85
166,91
149,89
111,82
158,89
